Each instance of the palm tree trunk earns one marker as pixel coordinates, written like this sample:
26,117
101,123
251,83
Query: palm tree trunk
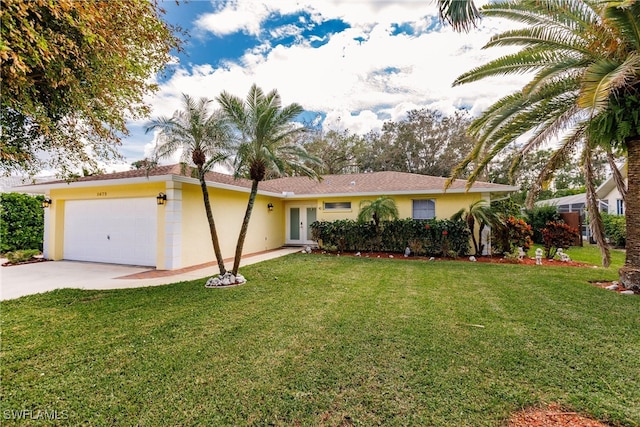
212,224
245,227
630,272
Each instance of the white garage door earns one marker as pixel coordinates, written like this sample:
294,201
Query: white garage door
118,231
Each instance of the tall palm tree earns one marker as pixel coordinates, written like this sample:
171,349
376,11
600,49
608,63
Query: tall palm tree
586,88
381,209
202,136
266,145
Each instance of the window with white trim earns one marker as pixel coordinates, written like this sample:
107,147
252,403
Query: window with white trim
424,209
336,206
620,206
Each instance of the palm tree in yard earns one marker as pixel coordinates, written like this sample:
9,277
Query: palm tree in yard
381,209
266,144
202,136
481,213
585,91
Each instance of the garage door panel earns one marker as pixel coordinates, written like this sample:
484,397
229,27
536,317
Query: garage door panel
120,231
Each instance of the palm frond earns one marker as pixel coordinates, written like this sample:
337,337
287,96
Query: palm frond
462,15
525,61
599,80
624,15
560,156
617,175
595,219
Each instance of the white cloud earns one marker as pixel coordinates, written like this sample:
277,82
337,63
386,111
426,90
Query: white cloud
358,83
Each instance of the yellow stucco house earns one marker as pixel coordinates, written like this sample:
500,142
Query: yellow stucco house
156,217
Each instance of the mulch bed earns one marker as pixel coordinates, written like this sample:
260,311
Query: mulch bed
31,261
485,259
551,416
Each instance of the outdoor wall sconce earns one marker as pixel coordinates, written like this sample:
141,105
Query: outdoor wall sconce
270,207
46,202
161,199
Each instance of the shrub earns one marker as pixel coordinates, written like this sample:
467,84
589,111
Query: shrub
615,228
514,232
557,235
21,222
424,237
506,207
539,217
21,256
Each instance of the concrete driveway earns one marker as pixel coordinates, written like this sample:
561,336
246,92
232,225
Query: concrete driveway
28,279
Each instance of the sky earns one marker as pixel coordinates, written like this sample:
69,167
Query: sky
352,65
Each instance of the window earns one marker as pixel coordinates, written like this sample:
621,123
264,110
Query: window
333,206
620,207
424,209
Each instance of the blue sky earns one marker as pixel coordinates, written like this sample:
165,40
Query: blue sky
351,64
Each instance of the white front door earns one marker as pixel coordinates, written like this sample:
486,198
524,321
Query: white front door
118,231
299,218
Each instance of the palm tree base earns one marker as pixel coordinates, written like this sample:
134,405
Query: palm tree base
630,277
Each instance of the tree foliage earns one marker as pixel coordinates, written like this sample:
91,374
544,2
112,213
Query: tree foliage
202,137
21,222
381,209
425,142
583,59
266,146
73,73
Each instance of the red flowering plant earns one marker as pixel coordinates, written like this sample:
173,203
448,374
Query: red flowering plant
556,235
514,233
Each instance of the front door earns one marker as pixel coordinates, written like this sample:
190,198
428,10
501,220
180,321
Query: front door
299,218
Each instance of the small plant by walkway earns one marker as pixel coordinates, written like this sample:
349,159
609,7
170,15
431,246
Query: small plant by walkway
320,340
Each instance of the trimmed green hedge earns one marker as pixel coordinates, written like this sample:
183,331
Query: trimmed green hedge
615,228
21,222
423,237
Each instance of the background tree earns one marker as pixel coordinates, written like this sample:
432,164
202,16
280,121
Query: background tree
425,142
201,137
337,151
266,145
73,73
587,84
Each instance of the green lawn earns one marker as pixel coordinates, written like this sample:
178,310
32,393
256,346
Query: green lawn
325,340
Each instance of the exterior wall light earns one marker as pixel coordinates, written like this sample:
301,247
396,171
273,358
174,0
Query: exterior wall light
161,199
46,202
270,207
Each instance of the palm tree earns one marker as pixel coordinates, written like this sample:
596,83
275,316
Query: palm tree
202,136
381,209
586,88
479,212
266,146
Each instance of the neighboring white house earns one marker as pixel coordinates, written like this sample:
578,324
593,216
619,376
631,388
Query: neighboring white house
609,195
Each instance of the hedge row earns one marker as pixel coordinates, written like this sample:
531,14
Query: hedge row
423,237
21,222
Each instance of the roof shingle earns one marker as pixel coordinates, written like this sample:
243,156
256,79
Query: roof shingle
360,183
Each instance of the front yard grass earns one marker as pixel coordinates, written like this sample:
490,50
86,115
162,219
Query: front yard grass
325,340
